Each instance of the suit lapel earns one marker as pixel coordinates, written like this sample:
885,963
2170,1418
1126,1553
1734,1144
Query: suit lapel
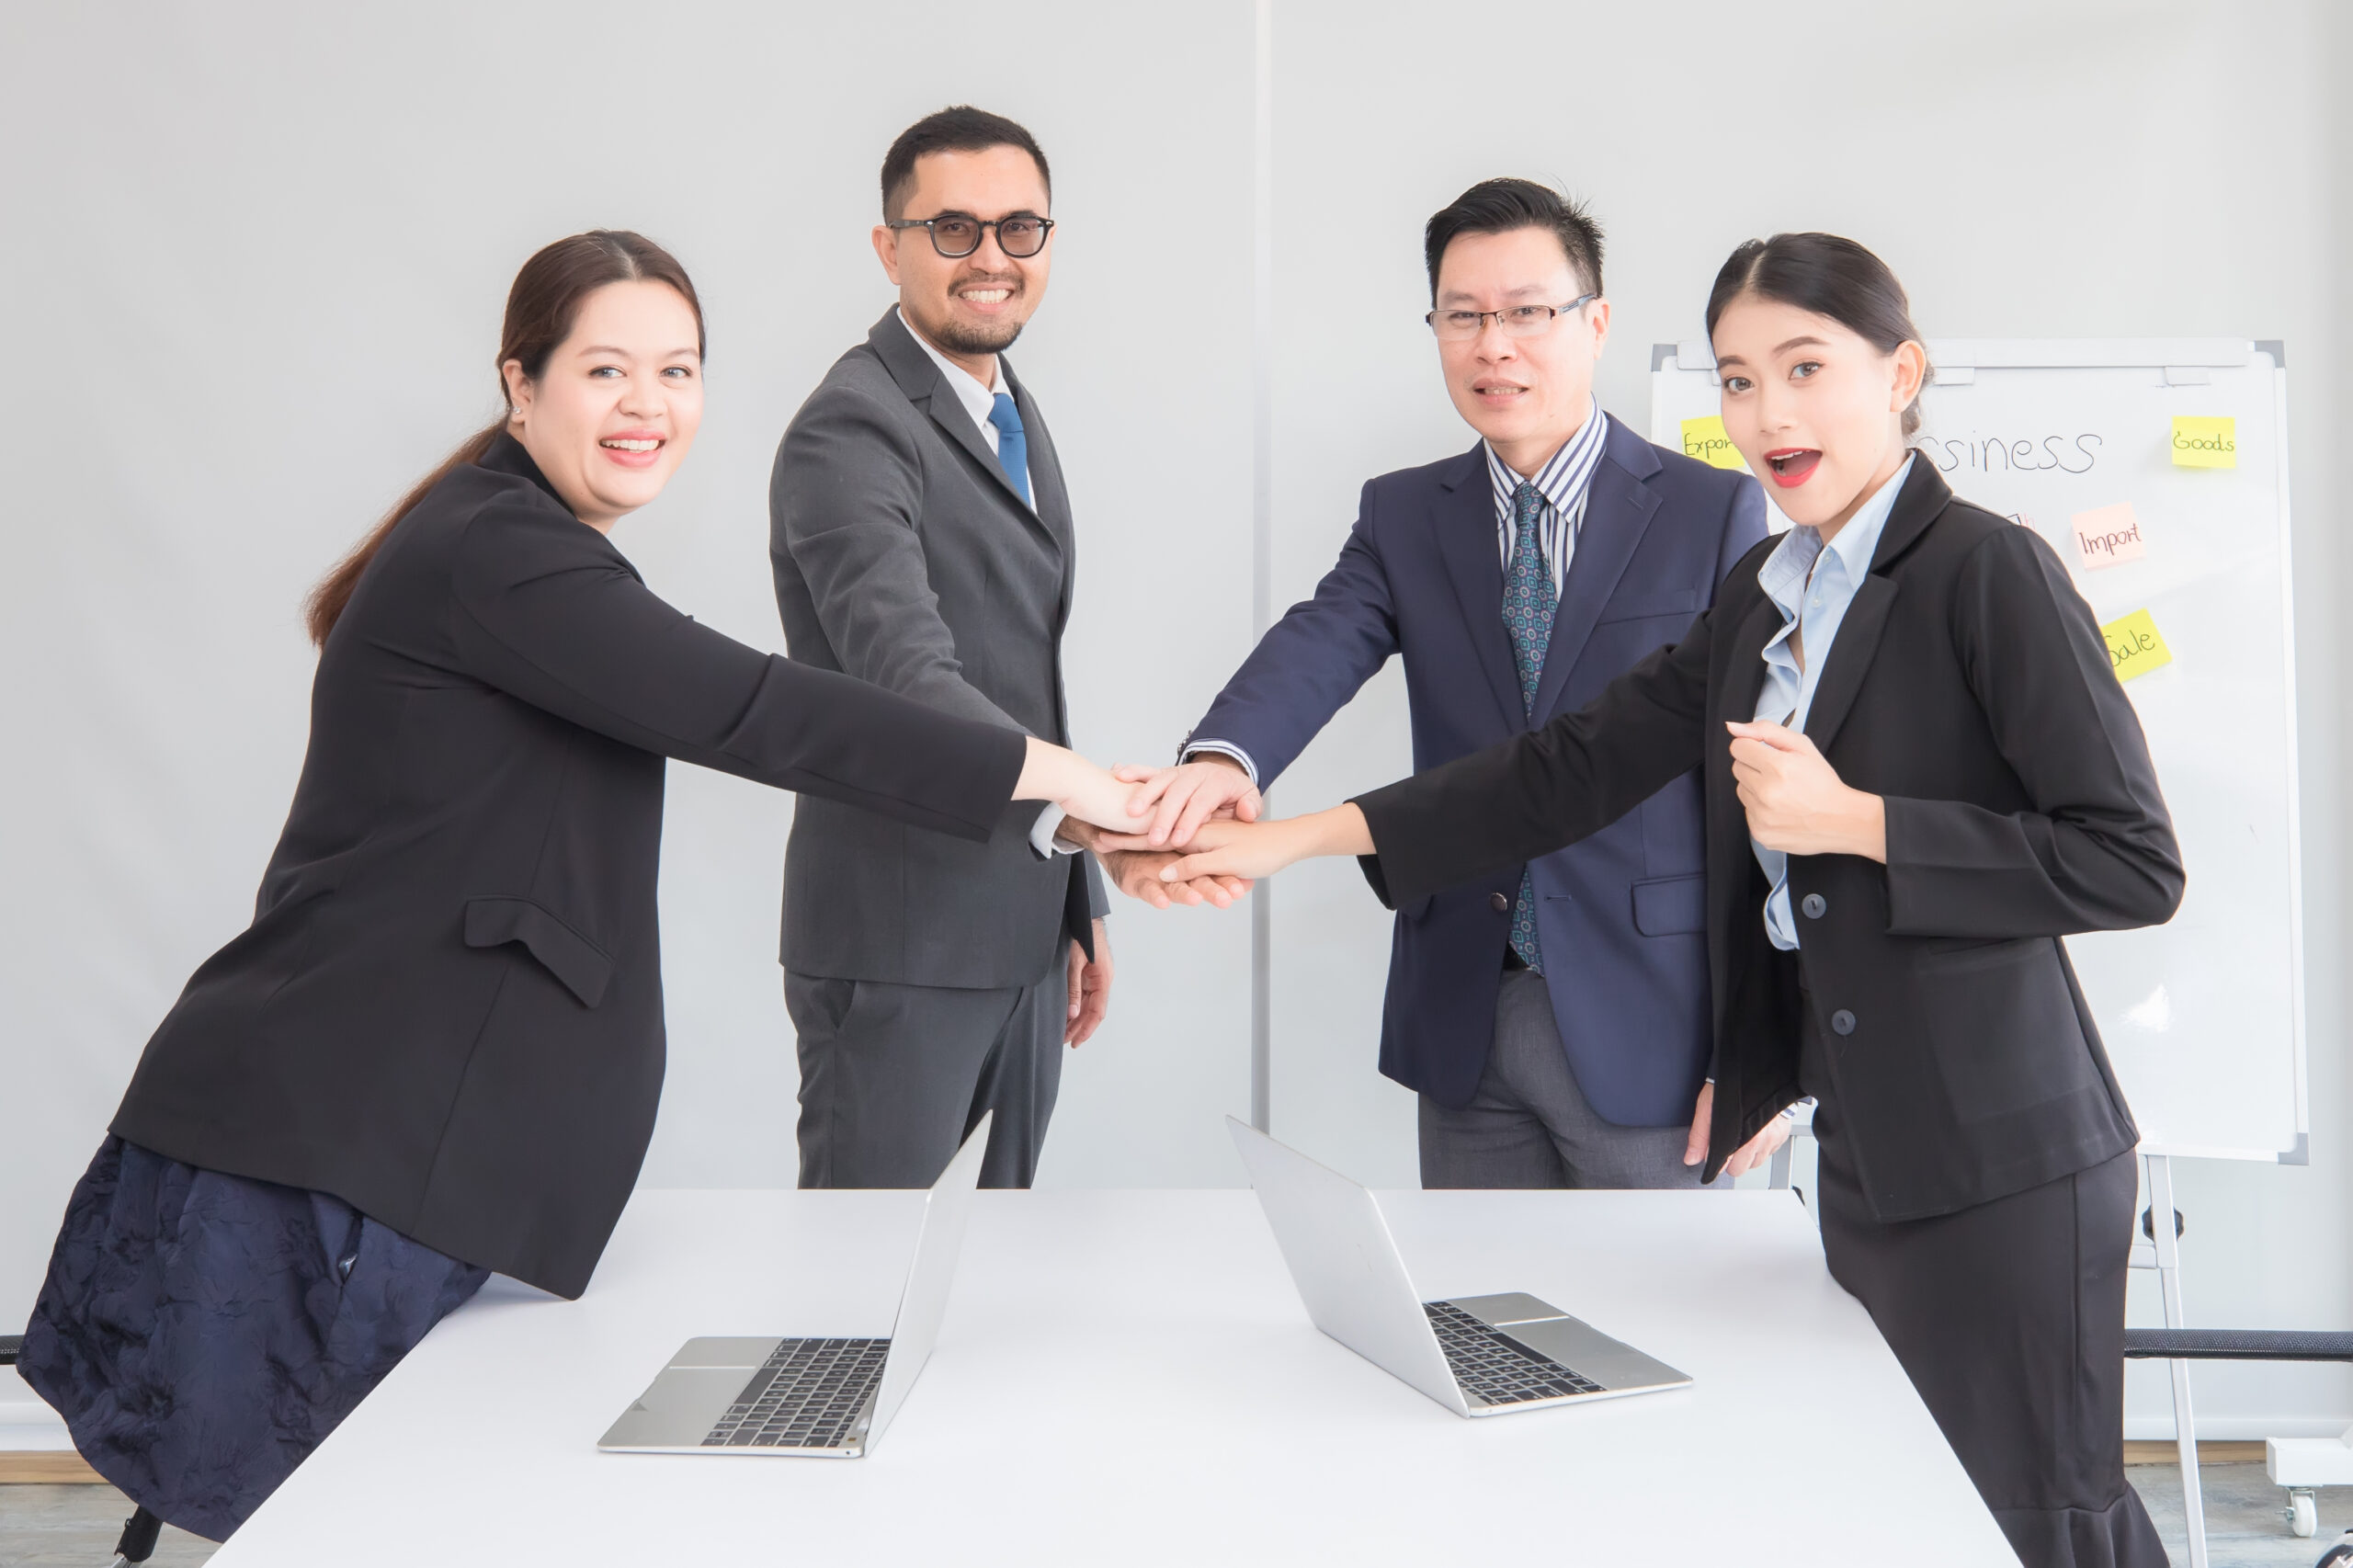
1850,658
1466,541
919,379
1922,500
1617,511
1730,857
1049,500
1744,672
1051,497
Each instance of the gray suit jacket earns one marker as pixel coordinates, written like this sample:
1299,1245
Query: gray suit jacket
903,557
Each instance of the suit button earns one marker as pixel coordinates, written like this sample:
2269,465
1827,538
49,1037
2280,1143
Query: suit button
1842,1022
1815,906
1498,902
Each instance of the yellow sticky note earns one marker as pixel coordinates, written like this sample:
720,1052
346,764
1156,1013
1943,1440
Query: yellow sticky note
1705,440
2135,646
2197,442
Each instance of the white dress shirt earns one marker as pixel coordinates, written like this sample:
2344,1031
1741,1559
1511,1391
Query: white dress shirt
979,400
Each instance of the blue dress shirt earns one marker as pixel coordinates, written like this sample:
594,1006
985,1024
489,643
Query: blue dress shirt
1811,585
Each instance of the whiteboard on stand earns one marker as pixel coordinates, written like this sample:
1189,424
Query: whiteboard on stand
2204,1016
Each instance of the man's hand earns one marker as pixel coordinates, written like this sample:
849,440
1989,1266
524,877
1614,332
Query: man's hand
1136,872
1189,795
1745,1158
1090,989
1795,801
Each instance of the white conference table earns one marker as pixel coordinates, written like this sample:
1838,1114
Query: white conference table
1128,1377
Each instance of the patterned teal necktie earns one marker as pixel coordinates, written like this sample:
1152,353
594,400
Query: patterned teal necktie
1529,603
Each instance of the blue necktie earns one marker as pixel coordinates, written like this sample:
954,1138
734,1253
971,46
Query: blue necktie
1529,601
1012,446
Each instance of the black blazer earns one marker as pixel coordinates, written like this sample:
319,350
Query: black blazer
448,1010
1970,687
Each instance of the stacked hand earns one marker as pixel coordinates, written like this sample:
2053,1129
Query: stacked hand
1139,871
1094,800
1165,806
1179,799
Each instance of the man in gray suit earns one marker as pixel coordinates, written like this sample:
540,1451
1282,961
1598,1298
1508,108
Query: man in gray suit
922,539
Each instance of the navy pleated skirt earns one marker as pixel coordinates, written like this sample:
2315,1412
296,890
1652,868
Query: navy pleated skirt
202,1332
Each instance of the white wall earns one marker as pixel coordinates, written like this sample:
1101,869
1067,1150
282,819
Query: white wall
256,263
2029,169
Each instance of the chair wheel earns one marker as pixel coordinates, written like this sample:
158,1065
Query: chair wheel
2339,1555
2303,1512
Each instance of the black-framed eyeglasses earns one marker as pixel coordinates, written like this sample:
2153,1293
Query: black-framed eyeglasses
956,234
1517,321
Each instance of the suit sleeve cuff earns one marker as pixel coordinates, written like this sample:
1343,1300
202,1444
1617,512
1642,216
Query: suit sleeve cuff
1222,748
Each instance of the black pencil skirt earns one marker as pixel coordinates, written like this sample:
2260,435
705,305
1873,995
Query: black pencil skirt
2009,1319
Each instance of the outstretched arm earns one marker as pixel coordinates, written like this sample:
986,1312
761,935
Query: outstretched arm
548,612
1512,802
1307,666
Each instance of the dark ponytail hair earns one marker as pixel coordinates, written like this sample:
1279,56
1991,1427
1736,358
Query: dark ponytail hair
541,308
1830,277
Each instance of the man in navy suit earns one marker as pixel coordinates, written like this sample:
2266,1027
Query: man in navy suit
1553,1018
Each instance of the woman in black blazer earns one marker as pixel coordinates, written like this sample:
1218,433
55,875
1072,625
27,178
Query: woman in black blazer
437,1050
1902,822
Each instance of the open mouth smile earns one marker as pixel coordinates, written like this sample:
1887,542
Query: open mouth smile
1792,466
633,449
987,298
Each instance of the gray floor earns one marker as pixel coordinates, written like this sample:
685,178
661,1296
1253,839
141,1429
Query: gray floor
75,1527
2245,1527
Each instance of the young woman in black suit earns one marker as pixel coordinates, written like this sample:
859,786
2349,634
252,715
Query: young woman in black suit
436,1052
1920,774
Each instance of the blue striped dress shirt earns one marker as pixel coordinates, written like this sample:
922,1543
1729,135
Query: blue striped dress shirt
1563,482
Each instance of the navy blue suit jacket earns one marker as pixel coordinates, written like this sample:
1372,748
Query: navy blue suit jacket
1621,916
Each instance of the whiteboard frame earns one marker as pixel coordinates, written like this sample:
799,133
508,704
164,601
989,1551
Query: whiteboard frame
2184,360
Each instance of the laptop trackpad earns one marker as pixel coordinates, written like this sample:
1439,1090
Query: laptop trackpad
1509,1307
1591,1354
679,1410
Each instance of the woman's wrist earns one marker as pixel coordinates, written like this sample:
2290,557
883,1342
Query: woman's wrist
1049,772
1866,826
1035,783
1341,830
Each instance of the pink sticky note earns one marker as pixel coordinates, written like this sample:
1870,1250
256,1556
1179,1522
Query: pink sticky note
2107,536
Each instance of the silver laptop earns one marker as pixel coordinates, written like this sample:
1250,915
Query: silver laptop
826,1397
1475,1355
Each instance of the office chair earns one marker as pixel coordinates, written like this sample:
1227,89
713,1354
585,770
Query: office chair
139,1531
2301,1465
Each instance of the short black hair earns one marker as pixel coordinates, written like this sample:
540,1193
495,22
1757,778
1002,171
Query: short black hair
1501,206
959,127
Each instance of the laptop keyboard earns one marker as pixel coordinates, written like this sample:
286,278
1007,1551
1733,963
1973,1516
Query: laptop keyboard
809,1394
1496,1368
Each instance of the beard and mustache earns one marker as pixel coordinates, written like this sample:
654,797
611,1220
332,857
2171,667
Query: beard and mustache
980,338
